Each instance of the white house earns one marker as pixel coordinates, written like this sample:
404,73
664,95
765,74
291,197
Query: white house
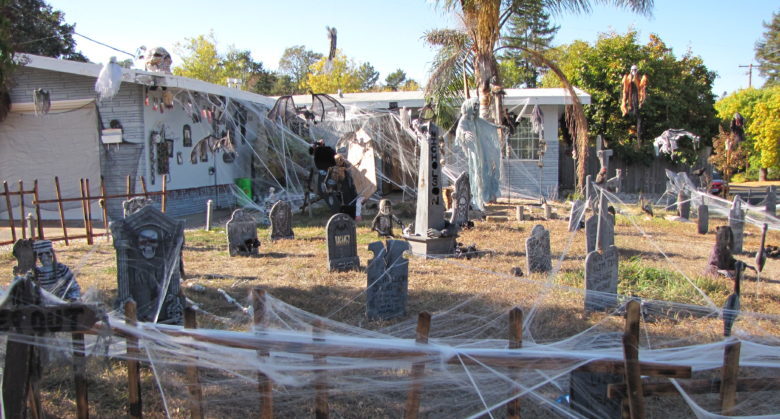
67,142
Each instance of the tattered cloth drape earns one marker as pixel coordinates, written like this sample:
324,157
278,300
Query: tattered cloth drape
479,140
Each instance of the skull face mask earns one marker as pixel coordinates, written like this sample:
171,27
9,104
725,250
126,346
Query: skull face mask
385,207
148,240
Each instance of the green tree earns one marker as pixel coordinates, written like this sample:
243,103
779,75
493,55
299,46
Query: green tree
679,94
296,62
529,28
7,65
768,51
342,76
760,108
410,85
394,80
368,76
200,59
36,28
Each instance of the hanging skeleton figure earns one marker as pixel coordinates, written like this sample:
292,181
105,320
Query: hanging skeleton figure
634,92
737,128
332,52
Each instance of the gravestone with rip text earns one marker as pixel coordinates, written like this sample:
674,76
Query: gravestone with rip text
342,243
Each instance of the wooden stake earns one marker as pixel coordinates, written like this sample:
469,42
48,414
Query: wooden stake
84,211
62,210
728,378
321,408
515,342
143,187
80,377
38,210
127,185
412,408
8,207
134,408
21,208
193,374
636,401
164,190
104,200
90,232
264,384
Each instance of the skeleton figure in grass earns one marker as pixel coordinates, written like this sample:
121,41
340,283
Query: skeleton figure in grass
52,275
383,222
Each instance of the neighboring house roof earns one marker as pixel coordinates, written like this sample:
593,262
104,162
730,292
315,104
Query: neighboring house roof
147,78
416,99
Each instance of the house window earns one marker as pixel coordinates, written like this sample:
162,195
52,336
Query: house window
524,143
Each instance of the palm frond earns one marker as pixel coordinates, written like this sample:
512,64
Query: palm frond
643,7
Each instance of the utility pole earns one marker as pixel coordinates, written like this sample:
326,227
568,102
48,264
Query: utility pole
750,73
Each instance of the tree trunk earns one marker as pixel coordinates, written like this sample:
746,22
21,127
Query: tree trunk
762,174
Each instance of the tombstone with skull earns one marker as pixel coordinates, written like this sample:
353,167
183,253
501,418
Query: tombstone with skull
148,247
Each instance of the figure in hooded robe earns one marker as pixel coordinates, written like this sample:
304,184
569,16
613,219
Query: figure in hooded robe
52,275
480,142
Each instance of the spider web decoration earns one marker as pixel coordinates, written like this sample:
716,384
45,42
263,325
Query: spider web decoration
284,110
323,105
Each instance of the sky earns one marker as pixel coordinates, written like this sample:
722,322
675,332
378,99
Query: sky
388,34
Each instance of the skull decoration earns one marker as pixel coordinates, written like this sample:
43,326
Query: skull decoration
385,207
148,240
158,59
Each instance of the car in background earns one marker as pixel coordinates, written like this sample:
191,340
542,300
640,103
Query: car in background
717,184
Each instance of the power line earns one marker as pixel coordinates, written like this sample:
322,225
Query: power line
750,73
105,45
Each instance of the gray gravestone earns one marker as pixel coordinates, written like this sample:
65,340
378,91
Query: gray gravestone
462,199
148,250
281,221
601,277
591,232
388,280
683,205
342,243
520,212
242,234
132,205
537,250
576,214
703,222
737,223
771,200
432,235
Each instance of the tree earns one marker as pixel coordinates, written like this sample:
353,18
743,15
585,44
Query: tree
342,76
727,161
768,51
394,80
483,20
7,65
679,94
529,28
37,29
760,108
296,63
410,85
368,76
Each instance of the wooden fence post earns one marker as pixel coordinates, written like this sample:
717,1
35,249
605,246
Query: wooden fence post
104,205
636,401
163,203
8,207
127,185
728,378
143,188
193,373
134,408
38,210
412,408
80,376
21,208
515,342
61,208
264,384
321,408
90,232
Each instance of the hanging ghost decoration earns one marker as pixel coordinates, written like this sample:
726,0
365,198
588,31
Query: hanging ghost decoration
109,80
479,140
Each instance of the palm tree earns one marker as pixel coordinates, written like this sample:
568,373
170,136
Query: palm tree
475,48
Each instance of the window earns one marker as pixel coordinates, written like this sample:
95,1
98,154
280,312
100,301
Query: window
524,143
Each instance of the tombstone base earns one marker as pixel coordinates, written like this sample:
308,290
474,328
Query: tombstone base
431,247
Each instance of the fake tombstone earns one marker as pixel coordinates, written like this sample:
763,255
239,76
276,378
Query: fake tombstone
537,250
703,221
683,205
607,237
737,224
462,195
148,252
771,201
388,280
576,214
601,267
342,243
432,235
281,221
132,205
721,257
242,234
